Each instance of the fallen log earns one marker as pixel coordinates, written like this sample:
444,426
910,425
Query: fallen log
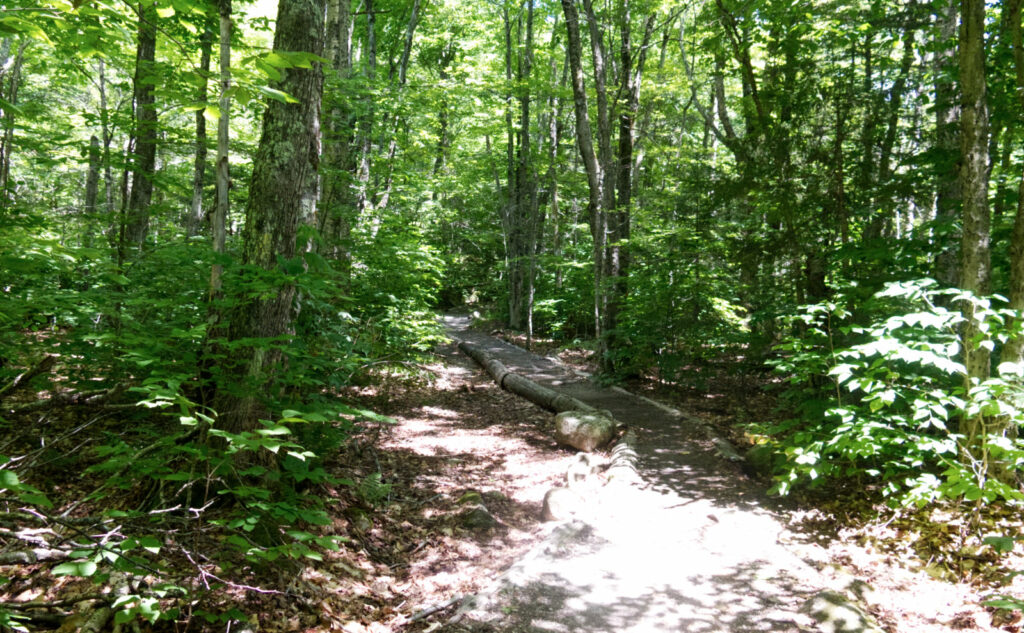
524,387
22,379
96,398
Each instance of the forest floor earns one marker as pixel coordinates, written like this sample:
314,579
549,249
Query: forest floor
415,550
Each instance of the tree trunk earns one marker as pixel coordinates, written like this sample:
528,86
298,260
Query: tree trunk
363,203
285,164
522,209
510,212
607,312
108,137
223,176
10,94
92,179
1013,351
195,214
337,206
144,159
975,257
585,142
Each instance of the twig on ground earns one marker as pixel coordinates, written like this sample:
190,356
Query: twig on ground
52,604
99,397
429,611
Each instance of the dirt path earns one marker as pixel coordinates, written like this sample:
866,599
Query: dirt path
696,548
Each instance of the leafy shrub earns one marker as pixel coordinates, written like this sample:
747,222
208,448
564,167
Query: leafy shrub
882,402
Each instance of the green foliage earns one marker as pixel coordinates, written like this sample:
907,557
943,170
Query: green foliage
1003,545
882,402
392,293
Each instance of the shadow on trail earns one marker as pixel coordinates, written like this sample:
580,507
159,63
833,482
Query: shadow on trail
723,602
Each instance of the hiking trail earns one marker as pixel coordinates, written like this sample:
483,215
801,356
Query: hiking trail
696,546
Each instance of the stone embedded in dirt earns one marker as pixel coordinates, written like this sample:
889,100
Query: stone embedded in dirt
477,518
583,431
835,613
561,504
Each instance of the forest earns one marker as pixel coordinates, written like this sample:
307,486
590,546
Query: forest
223,224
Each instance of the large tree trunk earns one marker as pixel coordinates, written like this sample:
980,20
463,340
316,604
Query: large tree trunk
144,159
975,257
522,235
285,165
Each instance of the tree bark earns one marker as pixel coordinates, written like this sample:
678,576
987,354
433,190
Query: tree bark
585,142
975,256
10,94
285,164
338,206
195,215
222,170
144,159
363,202
536,393
108,137
1013,351
92,179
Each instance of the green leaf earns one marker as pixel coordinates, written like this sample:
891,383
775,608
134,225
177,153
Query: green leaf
274,430
277,95
36,499
1005,602
84,569
973,493
9,480
165,12
15,25
1001,544
277,60
269,70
